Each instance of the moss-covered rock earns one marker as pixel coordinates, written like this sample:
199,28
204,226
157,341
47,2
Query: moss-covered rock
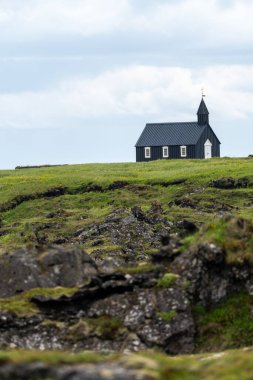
167,280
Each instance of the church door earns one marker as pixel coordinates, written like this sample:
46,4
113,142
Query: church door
208,149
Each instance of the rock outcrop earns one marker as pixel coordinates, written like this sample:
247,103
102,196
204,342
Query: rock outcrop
117,312
27,269
129,309
231,183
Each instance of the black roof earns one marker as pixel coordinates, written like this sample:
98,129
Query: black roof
202,108
163,134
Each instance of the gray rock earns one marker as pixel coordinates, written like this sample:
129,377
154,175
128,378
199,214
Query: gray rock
57,266
146,315
231,183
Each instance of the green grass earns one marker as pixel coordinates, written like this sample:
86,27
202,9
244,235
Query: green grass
167,280
234,234
229,325
167,315
197,172
23,225
141,268
49,357
21,304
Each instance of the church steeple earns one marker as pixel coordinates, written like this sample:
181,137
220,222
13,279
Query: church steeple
203,114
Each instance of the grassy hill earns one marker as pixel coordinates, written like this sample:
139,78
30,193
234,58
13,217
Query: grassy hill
78,195
117,214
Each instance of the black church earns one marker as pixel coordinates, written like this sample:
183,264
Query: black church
179,140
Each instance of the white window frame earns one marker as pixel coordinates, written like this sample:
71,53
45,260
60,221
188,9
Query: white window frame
147,152
165,149
183,151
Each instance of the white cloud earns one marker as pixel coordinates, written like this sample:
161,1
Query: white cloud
39,18
196,22
205,24
152,92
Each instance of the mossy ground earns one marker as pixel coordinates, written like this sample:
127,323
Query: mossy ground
228,325
49,357
223,216
167,280
21,304
141,268
151,182
167,315
104,327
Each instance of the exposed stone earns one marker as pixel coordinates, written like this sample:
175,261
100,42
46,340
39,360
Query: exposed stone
97,242
165,239
130,232
210,279
92,187
187,226
60,240
184,202
117,185
231,183
168,251
57,266
132,299
138,309
138,213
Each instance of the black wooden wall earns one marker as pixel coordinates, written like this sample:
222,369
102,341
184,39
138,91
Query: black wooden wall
208,134
157,153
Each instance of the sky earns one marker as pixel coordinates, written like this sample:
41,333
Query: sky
79,79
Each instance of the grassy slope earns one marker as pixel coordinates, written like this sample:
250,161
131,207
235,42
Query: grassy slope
82,209
146,186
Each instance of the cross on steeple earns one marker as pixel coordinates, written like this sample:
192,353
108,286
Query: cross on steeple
202,91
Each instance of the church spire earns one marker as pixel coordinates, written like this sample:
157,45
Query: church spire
203,114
